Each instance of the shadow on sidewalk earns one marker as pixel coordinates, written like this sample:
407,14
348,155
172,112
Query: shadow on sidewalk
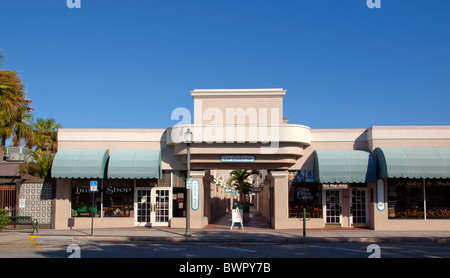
256,221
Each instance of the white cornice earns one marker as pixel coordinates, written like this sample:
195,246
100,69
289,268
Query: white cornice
110,135
276,92
409,133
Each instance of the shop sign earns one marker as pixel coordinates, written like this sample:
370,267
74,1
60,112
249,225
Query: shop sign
419,183
239,158
304,194
83,189
195,195
380,195
109,190
335,186
113,190
237,217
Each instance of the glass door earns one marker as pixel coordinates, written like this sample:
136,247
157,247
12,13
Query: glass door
142,206
162,204
332,206
153,206
358,207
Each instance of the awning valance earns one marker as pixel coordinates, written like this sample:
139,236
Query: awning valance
413,162
344,166
135,164
76,163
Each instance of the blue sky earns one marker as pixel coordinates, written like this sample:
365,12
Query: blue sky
129,63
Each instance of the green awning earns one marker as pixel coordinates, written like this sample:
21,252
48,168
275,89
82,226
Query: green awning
344,166
413,162
76,163
135,164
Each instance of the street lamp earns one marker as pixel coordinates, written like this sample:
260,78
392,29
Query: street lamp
188,140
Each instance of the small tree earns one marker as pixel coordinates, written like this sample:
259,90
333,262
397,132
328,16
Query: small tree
40,165
239,180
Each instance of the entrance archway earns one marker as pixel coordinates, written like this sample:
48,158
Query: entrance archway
239,129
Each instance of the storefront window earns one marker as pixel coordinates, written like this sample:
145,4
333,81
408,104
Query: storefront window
179,193
437,192
118,198
115,197
82,199
405,198
306,195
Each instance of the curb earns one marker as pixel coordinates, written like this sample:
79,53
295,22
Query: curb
244,238
276,240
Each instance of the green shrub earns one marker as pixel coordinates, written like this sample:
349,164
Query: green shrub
4,221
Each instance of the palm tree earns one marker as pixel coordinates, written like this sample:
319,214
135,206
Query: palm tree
40,165
6,129
15,121
12,94
239,179
12,100
45,135
1,58
21,125
44,140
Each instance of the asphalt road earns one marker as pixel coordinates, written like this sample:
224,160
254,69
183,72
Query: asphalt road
94,258
24,246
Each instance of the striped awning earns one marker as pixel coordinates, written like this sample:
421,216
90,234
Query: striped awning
344,166
135,164
80,163
413,162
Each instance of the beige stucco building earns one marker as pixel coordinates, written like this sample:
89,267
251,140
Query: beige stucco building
382,177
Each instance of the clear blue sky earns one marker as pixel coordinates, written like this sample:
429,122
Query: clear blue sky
129,63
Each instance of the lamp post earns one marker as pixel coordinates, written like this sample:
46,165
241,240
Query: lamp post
188,140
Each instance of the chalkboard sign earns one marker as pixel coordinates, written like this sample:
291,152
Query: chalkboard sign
236,217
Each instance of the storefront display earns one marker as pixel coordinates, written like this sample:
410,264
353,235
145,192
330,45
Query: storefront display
303,194
82,199
118,198
114,198
406,198
149,202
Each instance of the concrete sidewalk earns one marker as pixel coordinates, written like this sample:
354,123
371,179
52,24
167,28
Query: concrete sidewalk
256,230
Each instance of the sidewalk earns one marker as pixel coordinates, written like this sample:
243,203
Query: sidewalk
256,230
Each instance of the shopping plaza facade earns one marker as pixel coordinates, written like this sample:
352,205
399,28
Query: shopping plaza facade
381,177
